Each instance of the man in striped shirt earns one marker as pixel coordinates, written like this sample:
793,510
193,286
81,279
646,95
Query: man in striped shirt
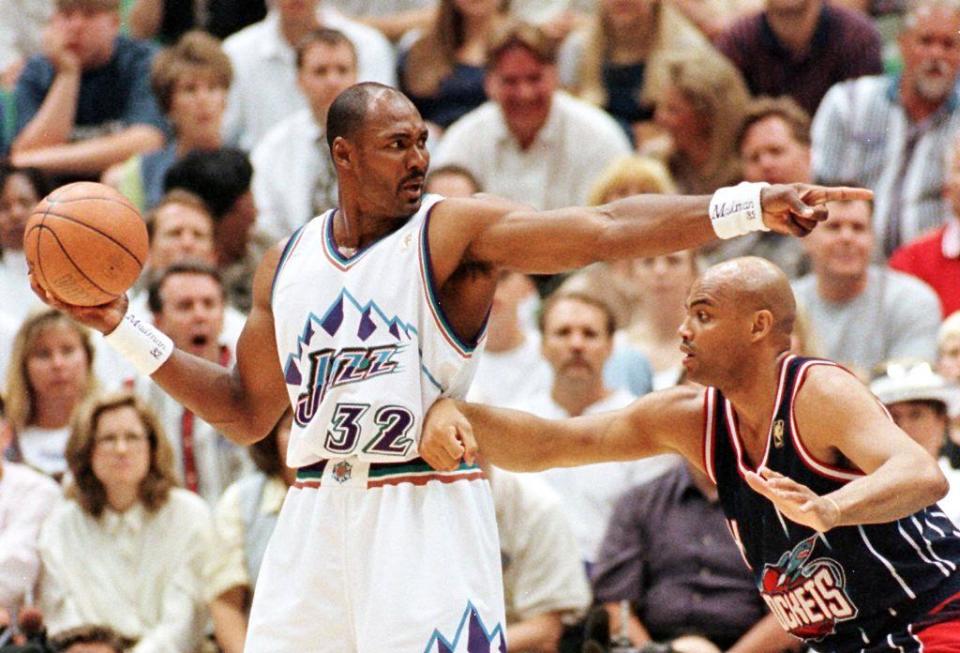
884,131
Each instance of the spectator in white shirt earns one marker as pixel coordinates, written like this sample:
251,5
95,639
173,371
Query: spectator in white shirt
26,498
264,89
293,175
130,548
531,143
577,331
187,302
50,374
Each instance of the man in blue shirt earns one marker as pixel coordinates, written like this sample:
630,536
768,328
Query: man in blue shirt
86,103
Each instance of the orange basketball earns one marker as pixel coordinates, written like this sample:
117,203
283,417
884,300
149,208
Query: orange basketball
85,243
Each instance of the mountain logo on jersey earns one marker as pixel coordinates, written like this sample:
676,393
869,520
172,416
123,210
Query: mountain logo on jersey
808,595
317,371
471,636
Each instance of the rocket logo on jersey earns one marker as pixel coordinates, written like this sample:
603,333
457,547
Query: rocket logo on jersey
316,371
808,595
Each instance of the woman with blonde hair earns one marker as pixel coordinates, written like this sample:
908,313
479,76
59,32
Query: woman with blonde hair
128,549
443,71
607,62
700,102
50,373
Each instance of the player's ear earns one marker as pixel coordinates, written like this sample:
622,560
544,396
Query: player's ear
341,152
762,325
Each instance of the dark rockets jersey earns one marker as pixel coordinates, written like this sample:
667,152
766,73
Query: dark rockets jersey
844,590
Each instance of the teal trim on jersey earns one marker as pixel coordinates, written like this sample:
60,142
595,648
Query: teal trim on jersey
415,467
330,245
494,635
464,349
284,255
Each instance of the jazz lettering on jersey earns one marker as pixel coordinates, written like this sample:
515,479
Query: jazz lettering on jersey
330,368
808,595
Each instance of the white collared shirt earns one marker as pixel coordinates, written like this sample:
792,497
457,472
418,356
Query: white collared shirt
26,498
264,89
286,166
556,170
145,580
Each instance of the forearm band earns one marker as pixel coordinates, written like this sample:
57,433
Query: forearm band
141,343
736,210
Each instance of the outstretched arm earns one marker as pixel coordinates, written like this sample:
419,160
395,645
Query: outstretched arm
506,235
243,403
661,422
838,417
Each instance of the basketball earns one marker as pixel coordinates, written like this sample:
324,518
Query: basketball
85,243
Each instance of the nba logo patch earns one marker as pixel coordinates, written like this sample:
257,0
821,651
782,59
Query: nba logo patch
778,434
341,471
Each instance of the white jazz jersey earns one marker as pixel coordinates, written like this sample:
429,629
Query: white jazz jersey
364,346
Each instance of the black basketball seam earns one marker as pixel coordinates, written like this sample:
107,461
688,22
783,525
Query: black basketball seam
39,227
53,200
74,263
95,230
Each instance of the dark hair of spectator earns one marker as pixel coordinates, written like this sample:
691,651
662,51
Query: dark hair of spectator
154,296
219,177
175,196
783,107
520,35
41,186
265,453
326,36
194,52
90,635
576,296
86,489
349,111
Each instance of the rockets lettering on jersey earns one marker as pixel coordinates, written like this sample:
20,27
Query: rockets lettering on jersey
808,595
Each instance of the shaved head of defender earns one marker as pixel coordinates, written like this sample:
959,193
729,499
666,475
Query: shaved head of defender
740,313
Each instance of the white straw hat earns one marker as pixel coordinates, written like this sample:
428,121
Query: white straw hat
915,381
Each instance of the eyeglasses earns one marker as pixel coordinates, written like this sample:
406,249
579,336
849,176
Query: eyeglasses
112,441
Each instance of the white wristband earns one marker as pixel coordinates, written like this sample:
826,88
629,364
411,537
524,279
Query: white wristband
735,210
141,343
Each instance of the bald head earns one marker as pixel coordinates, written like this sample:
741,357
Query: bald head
755,284
350,109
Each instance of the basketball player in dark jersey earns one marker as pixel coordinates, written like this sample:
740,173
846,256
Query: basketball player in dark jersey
832,505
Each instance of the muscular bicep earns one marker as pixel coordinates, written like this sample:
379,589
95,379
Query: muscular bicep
839,420
258,370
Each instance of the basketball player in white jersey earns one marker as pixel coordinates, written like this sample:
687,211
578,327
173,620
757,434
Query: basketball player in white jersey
360,321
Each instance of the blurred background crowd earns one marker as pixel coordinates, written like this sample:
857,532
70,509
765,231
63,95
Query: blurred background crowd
129,524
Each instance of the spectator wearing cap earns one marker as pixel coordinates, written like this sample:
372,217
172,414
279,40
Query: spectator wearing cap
922,403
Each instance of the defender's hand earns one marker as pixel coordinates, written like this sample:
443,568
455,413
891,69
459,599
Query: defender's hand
447,437
796,209
796,501
103,318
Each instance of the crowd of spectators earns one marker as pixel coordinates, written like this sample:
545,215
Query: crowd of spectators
133,525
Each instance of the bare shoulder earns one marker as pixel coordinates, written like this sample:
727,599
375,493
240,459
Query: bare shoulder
831,406
832,390
475,212
266,271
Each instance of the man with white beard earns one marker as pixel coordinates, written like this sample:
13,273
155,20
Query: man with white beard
883,132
